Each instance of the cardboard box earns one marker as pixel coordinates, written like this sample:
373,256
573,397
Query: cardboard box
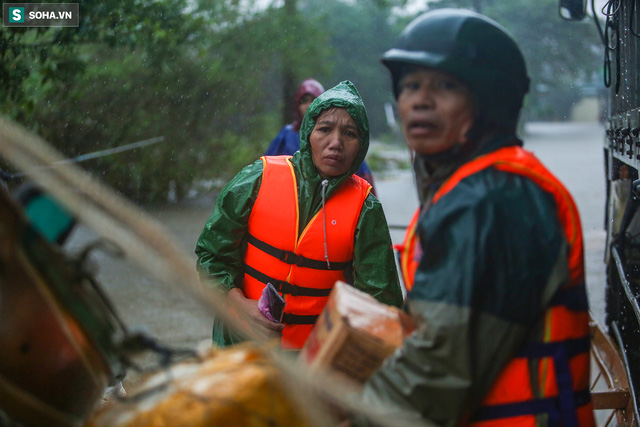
354,333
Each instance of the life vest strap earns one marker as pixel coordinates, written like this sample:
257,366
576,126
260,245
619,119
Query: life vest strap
574,298
299,319
567,401
568,348
295,259
548,405
286,287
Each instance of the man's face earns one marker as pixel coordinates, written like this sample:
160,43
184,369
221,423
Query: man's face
436,110
335,142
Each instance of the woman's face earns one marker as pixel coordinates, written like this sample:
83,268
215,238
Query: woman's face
305,101
335,142
436,110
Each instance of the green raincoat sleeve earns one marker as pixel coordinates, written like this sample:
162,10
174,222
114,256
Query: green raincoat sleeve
373,261
219,247
494,253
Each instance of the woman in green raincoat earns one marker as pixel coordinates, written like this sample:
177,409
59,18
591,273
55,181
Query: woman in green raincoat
334,139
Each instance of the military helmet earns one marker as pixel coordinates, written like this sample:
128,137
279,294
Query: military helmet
472,47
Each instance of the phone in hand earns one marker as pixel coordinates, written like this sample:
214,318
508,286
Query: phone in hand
275,303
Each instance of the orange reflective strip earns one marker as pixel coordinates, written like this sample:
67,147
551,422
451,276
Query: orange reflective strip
408,265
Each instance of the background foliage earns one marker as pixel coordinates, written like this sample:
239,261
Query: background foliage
208,75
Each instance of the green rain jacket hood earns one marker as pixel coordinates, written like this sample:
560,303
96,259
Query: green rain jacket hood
344,95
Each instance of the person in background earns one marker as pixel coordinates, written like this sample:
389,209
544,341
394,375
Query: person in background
499,291
301,223
287,141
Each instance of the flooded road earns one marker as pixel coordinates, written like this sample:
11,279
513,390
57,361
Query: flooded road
573,151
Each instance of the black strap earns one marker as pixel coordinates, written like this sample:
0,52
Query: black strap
299,319
548,405
295,259
574,298
561,407
286,287
570,348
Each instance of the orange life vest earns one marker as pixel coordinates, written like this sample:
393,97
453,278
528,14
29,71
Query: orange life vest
549,377
410,252
295,262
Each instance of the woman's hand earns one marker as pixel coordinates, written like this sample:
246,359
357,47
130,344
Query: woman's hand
246,312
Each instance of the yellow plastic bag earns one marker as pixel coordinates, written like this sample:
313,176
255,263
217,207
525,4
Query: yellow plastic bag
238,386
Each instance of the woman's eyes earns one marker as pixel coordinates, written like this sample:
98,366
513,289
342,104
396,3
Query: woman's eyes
328,129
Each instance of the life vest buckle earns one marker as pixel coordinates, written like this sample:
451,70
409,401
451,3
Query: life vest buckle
290,258
293,290
287,288
280,286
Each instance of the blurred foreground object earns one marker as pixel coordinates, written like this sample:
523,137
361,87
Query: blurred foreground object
237,386
91,338
57,332
61,339
355,333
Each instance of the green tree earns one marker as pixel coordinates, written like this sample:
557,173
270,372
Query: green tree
42,58
45,71
202,74
359,33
